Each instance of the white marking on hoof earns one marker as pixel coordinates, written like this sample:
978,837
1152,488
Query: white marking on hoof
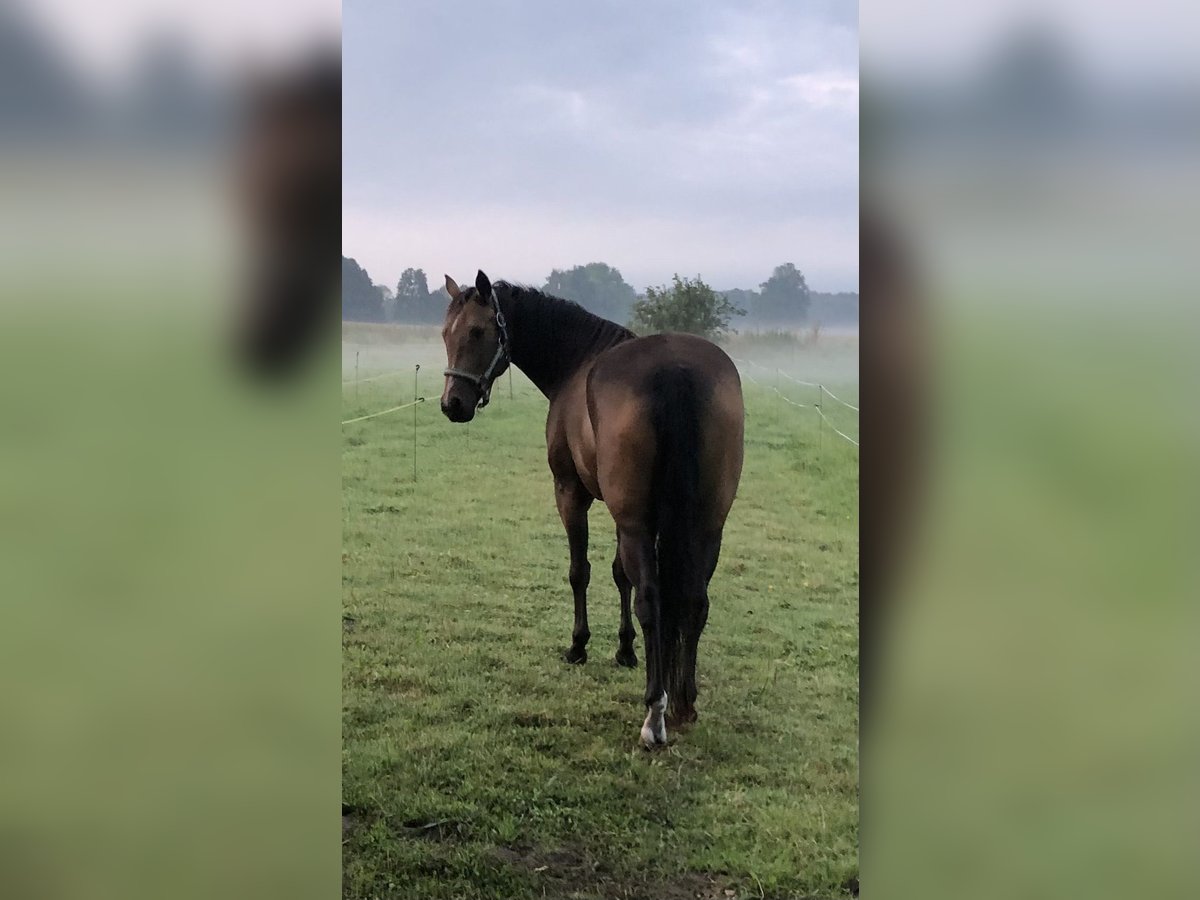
654,729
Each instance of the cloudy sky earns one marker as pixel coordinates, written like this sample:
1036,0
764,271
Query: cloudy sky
718,138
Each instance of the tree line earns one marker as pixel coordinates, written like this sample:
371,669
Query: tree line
783,300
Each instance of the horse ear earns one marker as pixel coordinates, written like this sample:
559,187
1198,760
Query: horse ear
452,288
484,286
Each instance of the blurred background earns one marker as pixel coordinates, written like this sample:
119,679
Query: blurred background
1032,170
168,464
170,652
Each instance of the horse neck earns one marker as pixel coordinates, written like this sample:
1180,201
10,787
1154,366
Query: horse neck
551,340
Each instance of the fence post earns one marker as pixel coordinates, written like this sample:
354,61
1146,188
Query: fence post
820,418
416,376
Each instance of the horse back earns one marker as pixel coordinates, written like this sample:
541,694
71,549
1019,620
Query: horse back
622,390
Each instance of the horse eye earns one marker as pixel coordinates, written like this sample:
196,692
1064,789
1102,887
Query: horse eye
476,331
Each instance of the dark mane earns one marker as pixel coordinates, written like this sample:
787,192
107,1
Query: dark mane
552,336
566,314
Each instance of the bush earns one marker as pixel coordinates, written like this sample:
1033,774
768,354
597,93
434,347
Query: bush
689,305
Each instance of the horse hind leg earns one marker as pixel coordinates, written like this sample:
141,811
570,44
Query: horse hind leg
625,652
683,707
685,713
637,557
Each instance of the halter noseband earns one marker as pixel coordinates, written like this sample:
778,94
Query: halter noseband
484,382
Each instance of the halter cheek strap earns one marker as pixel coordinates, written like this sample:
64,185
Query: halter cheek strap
484,382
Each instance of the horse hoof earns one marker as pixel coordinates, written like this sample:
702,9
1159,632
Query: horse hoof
627,658
575,657
654,729
652,741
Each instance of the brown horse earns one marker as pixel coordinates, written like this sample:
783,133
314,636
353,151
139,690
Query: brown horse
652,426
290,175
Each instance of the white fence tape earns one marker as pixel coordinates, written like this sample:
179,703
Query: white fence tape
747,362
750,378
372,377
798,381
820,412
834,427
769,371
787,399
746,375
838,399
384,412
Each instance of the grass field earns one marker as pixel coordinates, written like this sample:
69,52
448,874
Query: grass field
476,763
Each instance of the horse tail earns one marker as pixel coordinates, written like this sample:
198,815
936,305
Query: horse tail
677,408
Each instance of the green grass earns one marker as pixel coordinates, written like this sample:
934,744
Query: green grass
479,764
169,581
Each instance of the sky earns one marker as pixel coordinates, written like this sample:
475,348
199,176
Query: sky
710,138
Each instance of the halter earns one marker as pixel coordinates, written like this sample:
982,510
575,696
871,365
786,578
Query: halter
484,382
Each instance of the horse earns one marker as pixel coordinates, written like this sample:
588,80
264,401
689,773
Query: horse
289,172
652,427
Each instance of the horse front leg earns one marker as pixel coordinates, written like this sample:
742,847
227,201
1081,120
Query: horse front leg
625,652
573,502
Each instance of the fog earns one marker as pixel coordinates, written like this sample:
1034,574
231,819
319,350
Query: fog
163,526
1040,167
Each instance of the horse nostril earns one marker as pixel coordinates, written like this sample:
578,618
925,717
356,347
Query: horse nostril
452,407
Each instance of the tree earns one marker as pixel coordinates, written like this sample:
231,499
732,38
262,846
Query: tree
688,305
597,287
361,300
834,309
388,297
785,295
412,298
743,299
